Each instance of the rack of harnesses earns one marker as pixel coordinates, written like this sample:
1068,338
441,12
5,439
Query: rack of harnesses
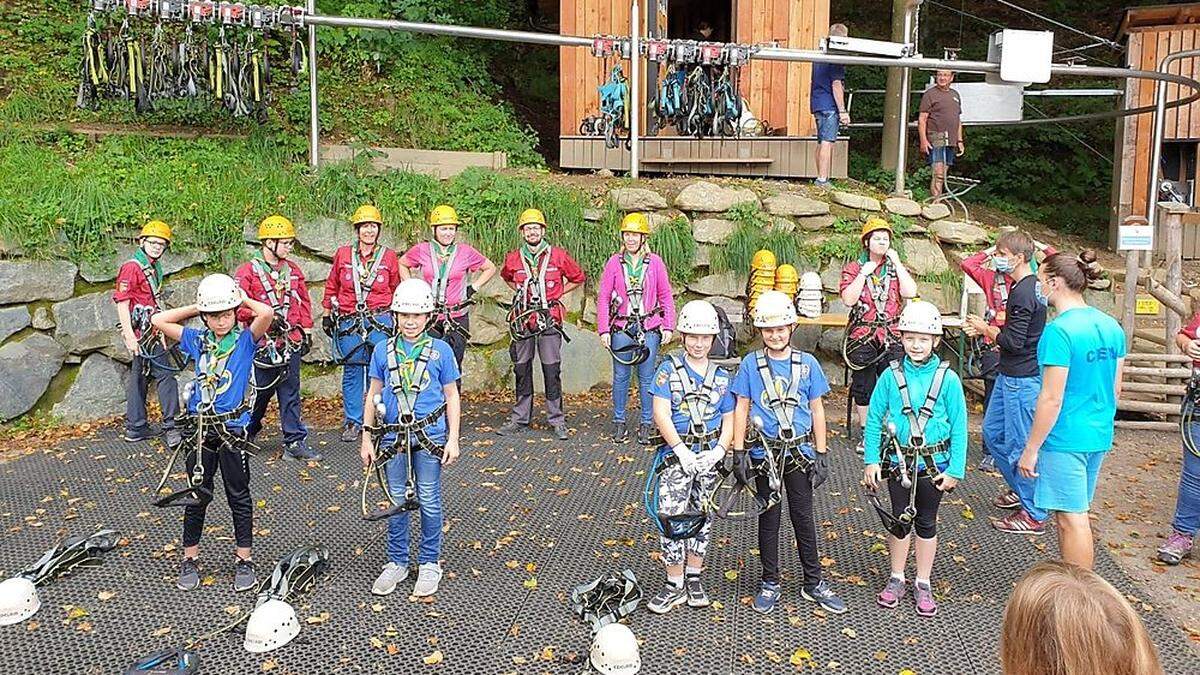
698,94
879,323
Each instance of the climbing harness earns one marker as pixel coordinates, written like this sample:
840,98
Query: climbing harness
633,324
531,314
18,595
362,321
444,320
879,289
614,107
151,347
1187,412
607,599
736,497
277,347
786,449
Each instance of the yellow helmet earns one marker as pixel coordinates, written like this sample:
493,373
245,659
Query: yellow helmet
276,227
156,228
366,214
763,259
876,223
443,215
636,222
786,274
531,216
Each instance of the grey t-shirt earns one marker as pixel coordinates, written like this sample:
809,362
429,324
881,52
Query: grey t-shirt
945,113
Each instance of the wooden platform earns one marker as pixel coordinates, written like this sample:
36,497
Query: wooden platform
777,156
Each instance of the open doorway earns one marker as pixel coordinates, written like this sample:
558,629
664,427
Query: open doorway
702,20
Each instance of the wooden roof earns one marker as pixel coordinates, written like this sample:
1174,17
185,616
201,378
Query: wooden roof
1152,16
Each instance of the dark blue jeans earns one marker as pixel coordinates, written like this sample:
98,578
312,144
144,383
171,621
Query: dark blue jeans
287,390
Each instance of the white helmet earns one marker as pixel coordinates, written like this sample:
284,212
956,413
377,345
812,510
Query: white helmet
272,625
18,600
698,317
217,293
810,281
920,316
615,651
774,309
413,296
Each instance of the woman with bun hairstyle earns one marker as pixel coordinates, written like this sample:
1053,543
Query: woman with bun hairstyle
1081,355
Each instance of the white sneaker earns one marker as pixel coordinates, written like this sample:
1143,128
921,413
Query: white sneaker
428,577
391,575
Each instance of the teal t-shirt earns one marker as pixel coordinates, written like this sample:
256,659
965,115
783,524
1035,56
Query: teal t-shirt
1088,343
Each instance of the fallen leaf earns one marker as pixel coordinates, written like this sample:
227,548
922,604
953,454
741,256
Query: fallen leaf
392,649
269,665
105,596
731,575
376,642
233,609
318,619
377,607
800,657
433,659
908,671
849,632
967,513
161,631
530,583
75,612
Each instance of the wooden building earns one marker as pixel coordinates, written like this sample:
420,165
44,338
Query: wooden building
776,92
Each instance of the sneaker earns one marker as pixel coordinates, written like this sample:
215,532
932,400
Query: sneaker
351,432
643,437
1177,548
892,593
697,596
923,598
300,451
768,595
510,427
988,463
244,578
189,575
391,575
859,448
670,597
428,578
1019,522
824,596
173,438
138,435
1007,500
620,432
823,185
560,432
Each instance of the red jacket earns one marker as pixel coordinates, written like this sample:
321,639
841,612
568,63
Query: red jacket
340,283
561,270
300,309
1190,331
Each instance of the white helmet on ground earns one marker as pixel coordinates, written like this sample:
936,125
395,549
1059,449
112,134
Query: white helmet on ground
18,600
774,309
920,316
217,293
615,651
413,296
698,317
272,625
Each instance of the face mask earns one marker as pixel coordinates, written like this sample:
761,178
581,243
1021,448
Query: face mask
1041,295
1002,265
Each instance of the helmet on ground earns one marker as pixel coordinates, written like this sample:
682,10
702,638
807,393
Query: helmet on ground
413,296
875,223
217,293
18,600
636,222
763,259
531,216
920,316
615,651
443,214
810,281
366,214
698,317
774,309
272,625
276,227
156,228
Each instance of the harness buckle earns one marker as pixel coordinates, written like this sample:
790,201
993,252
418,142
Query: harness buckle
361,307
916,442
787,435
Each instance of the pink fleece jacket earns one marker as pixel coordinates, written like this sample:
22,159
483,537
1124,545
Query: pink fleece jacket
656,292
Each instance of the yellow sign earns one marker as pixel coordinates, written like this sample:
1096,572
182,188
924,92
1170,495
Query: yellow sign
1147,306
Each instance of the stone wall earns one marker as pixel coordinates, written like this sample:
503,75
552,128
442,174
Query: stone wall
60,352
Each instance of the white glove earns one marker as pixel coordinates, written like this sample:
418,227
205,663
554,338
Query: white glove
689,462
710,458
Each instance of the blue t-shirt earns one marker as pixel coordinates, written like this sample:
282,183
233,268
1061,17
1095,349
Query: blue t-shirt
440,371
1088,343
810,384
821,92
721,396
234,379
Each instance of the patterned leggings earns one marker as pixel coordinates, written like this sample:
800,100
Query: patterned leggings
679,493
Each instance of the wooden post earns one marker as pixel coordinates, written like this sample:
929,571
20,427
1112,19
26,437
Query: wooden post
1172,220
1128,317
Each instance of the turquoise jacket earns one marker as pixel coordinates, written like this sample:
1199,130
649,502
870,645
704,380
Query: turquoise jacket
949,420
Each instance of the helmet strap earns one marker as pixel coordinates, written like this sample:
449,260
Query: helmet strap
272,246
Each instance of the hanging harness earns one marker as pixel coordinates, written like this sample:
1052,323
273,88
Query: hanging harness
1187,412
362,321
71,553
607,599
879,292
531,314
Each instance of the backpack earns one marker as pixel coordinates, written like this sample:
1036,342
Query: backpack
723,346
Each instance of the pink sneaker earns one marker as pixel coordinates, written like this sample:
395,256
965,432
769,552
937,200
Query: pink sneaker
890,595
1178,546
926,605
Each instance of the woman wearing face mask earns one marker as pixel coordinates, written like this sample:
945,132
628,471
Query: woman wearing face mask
1081,354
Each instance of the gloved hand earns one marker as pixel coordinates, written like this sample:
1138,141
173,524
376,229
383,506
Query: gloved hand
820,469
710,458
471,290
741,466
688,460
327,324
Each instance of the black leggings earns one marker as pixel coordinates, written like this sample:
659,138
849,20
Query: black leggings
862,382
799,493
235,475
928,500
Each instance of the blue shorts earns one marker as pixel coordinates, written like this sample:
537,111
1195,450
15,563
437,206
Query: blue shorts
1066,481
828,125
943,155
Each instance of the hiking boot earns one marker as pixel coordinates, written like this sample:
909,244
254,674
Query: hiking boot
560,432
428,578
892,593
138,435
668,598
391,575
173,438
696,595
620,432
643,436
351,432
824,596
1178,546
244,578
923,598
1007,500
510,427
1019,522
299,451
189,575
768,595
988,464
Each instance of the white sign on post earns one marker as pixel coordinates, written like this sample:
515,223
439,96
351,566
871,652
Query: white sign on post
1135,238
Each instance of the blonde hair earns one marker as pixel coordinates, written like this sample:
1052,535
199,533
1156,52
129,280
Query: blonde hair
1063,619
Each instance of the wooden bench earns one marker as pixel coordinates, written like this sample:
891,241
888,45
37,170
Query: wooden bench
707,160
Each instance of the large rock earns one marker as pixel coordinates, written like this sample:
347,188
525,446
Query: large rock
105,269
935,211
830,343
26,368
855,201
487,369
814,223
704,255
315,271
323,236
573,302
902,206
13,319
730,284
796,205
1105,301
637,199
98,391
831,276
944,298
328,385
24,281
593,215
805,338
180,291
781,224
734,309
496,289
322,346
922,257
710,197
713,230
489,323
958,232
88,323
586,363
835,371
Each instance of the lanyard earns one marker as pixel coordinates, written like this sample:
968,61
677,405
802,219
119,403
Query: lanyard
443,264
214,360
153,273
364,276
280,279
534,286
635,276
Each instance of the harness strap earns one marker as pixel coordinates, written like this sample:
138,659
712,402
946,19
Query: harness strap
406,392
534,287
700,403
364,277
275,290
441,271
782,406
919,418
